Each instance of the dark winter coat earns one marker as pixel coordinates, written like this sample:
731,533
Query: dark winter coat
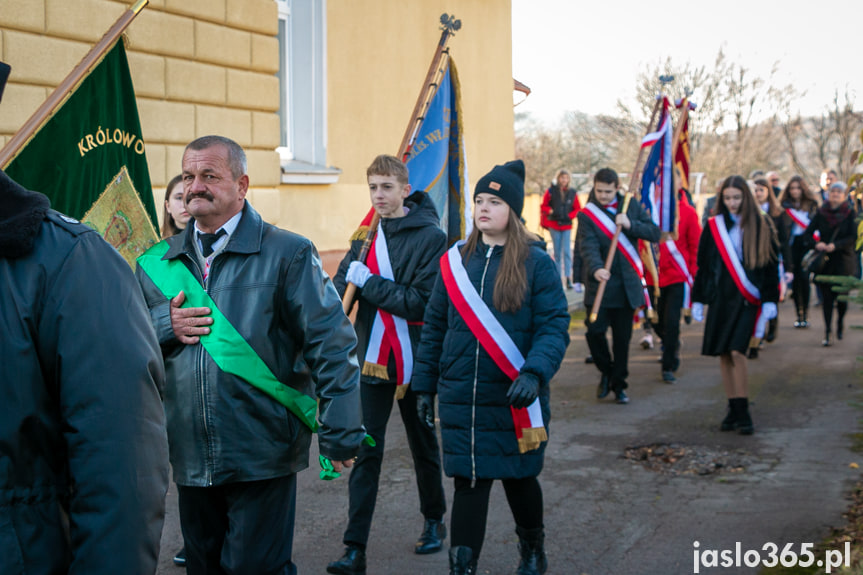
476,422
827,221
730,317
83,449
791,254
415,243
270,285
624,289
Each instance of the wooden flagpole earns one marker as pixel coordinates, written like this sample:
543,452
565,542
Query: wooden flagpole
69,84
449,26
612,250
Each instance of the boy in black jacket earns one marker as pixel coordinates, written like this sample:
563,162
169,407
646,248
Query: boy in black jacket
393,288
625,290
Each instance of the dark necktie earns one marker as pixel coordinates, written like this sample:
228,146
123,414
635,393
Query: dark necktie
207,241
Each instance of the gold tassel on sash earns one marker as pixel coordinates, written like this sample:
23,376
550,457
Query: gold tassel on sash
375,370
401,390
531,439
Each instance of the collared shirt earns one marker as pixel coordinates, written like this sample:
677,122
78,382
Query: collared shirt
230,227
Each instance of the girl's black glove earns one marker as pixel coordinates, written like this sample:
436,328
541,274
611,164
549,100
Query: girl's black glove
523,390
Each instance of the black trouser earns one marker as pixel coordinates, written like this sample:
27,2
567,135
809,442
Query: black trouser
470,508
377,401
668,308
800,284
620,321
239,528
831,296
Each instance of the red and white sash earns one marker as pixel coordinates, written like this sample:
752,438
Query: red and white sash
732,262
607,226
389,333
800,218
529,426
672,250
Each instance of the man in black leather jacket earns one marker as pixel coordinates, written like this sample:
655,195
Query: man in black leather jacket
235,450
83,450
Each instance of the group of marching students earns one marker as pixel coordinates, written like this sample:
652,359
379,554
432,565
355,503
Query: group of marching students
758,241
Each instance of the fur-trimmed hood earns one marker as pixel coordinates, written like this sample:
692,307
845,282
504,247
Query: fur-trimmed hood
21,215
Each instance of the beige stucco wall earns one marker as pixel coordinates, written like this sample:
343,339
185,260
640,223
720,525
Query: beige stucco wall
199,67
378,55
209,66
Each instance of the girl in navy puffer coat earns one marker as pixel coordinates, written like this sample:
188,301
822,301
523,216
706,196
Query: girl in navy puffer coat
485,378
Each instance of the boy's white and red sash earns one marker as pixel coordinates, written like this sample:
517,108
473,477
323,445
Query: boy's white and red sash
607,226
670,249
799,217
732,262
529,426
389,332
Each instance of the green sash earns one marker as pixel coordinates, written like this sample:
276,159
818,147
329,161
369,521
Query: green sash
226,346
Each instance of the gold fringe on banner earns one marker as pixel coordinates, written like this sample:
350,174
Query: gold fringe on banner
360,233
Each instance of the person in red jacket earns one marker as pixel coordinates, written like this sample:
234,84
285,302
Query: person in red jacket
559,207
677,268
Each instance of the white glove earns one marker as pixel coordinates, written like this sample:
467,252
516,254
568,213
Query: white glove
698,311
358,274
768,310
578,287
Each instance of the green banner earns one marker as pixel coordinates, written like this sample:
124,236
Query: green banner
77,156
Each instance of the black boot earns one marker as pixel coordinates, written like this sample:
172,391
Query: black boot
799,322
744,420
828,339
604,386
805,322
730,417
431,540
531,545
461,561
772,327
840,326
353,562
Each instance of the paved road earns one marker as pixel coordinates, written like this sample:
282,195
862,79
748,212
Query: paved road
609,515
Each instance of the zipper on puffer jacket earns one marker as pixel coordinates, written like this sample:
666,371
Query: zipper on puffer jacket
475,377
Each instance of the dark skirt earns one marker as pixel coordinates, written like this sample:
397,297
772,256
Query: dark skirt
729,326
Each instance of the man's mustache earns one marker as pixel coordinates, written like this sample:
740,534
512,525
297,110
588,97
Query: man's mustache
203,195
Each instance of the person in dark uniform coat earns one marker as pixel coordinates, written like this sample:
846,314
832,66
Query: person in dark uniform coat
751,240
624,290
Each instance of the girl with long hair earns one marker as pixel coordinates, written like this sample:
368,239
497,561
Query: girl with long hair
174,214
736,279
800,205
496,330
766,199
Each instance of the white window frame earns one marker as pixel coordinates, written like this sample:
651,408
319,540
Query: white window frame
303,95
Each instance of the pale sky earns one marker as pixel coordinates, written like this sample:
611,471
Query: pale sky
584,55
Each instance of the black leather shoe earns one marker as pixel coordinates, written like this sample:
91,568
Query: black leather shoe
621,397
604,387
180,557
828,340
353,562
668,377
588,359
431,540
